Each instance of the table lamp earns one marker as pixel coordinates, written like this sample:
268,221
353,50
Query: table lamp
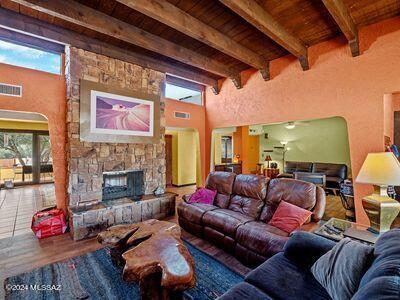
268,159
380,169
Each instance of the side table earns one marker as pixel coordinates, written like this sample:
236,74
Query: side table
343,228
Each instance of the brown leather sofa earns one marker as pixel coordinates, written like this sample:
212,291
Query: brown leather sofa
238,220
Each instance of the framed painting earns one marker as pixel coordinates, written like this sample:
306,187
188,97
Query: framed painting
117,115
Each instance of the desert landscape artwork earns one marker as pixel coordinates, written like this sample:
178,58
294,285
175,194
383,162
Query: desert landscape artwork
115,114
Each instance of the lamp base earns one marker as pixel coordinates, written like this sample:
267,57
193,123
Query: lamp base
381,211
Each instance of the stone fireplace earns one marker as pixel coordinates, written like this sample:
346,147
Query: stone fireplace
121,184
96,166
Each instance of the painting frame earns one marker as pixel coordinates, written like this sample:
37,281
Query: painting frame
94,118
88,128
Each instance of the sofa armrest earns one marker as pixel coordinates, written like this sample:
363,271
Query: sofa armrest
186,197
304,248
320,203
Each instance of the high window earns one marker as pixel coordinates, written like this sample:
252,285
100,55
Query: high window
183,94
27,57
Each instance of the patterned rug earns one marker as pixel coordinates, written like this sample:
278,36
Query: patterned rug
93,276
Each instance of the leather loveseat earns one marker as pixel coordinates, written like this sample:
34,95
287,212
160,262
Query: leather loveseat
335,173
287,275
238,219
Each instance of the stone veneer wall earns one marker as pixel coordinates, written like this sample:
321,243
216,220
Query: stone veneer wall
87,161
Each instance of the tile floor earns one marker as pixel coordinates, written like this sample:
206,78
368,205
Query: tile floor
18,205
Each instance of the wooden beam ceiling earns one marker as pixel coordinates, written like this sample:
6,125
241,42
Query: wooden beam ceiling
35,27
82,15
256,15
170,15
342,16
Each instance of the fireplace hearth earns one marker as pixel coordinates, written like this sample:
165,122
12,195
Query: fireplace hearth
123,184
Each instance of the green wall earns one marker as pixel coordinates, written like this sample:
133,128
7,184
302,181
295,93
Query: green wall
324,140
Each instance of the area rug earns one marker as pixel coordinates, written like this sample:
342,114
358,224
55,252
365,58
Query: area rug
93,276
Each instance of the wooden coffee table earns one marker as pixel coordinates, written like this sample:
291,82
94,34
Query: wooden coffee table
154,256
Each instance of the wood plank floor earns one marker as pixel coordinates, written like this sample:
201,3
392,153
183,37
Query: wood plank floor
25,252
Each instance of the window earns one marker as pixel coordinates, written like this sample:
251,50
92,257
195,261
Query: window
183,94
31,58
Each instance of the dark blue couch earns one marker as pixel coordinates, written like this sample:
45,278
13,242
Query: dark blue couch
287,274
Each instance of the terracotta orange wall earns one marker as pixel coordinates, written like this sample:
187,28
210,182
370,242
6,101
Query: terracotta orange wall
388,121
42,93
249,149
197,121
336,85
396,101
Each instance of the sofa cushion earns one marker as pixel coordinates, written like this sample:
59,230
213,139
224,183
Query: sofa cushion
225,221
386,267
244,290
194,212
297,166
340,270
261,238
300,193
331,170
384,287
288,217
279,278
222,182
249,192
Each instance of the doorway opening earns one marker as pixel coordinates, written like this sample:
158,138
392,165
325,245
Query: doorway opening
26,170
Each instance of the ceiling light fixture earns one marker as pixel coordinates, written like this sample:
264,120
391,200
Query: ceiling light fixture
290,125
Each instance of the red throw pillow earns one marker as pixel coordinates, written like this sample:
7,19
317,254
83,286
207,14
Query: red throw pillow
203,195
289,217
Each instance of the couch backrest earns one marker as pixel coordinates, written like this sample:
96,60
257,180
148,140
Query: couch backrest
222,182
297,192
332,170
297,166
382,280
249,193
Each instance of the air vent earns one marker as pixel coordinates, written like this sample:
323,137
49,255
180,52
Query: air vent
10,90
181,115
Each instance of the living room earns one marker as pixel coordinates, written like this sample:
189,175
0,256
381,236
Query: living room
118,232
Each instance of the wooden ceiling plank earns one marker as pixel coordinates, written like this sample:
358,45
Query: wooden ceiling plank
256,15
342,16
82,15
29,25
178,19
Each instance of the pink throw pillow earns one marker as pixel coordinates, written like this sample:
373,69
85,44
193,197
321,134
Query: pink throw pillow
203,195
288,217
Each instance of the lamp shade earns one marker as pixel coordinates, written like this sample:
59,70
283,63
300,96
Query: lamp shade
380,169
268,158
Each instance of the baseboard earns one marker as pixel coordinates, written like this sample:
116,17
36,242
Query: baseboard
183,185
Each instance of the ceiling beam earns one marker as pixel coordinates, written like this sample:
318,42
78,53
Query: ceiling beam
41,29
172,16
342,16
256,15
76,13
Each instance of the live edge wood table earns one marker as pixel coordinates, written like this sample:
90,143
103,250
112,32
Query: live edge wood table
154,256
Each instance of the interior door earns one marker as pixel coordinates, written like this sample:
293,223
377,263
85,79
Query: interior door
168,158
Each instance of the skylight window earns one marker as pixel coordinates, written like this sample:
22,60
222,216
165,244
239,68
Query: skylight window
22,56
183,94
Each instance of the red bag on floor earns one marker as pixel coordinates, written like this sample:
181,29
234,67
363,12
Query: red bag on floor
48,222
